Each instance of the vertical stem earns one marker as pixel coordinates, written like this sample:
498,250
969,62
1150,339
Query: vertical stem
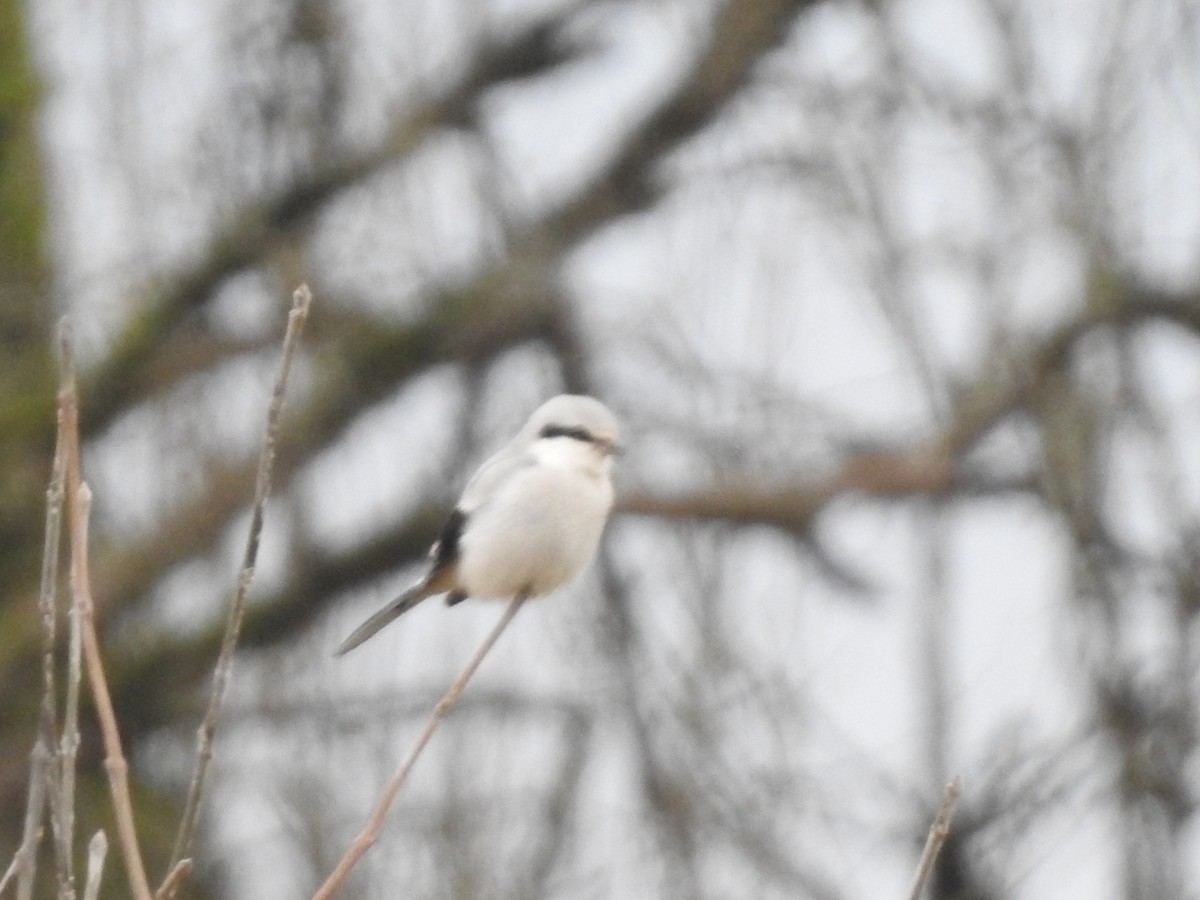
206,734
42,765
79,498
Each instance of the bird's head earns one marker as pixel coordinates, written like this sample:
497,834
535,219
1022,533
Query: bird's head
579,418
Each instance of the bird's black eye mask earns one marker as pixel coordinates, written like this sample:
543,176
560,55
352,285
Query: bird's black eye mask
578,434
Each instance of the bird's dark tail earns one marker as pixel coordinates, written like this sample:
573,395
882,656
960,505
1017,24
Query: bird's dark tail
393,610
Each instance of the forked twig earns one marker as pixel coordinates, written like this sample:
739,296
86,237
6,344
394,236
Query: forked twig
78,507
370,831
938,832
206,733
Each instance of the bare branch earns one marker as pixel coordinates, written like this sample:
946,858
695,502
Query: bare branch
925,470
254,230
174,878
41,766
10,871
370,832
24,862
938,832
79,498
301,300
63,803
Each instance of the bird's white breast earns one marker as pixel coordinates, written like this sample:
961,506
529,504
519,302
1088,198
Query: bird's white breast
542,525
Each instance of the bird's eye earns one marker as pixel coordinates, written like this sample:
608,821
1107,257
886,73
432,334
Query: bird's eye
578,434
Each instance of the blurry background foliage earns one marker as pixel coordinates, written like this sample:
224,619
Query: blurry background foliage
899,303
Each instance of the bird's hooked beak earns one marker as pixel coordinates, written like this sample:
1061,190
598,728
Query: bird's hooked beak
606,442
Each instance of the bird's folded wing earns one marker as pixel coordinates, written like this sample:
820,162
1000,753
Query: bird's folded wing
492,474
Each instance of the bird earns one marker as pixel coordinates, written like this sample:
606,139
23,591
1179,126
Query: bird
530,518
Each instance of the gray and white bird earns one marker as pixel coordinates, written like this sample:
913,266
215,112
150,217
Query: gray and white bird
529,520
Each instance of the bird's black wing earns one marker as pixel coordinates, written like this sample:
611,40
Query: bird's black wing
444,552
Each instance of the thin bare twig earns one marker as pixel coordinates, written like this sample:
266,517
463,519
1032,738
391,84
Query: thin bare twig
24,862
97,850
938,832
79,497
41,768
10,871
174,879
370,832
206,734
63,802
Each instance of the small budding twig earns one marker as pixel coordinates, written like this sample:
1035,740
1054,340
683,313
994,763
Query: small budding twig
206,734
938,832
79,497
97,850
370,831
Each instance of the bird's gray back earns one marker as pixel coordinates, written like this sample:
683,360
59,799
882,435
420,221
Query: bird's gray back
496,469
